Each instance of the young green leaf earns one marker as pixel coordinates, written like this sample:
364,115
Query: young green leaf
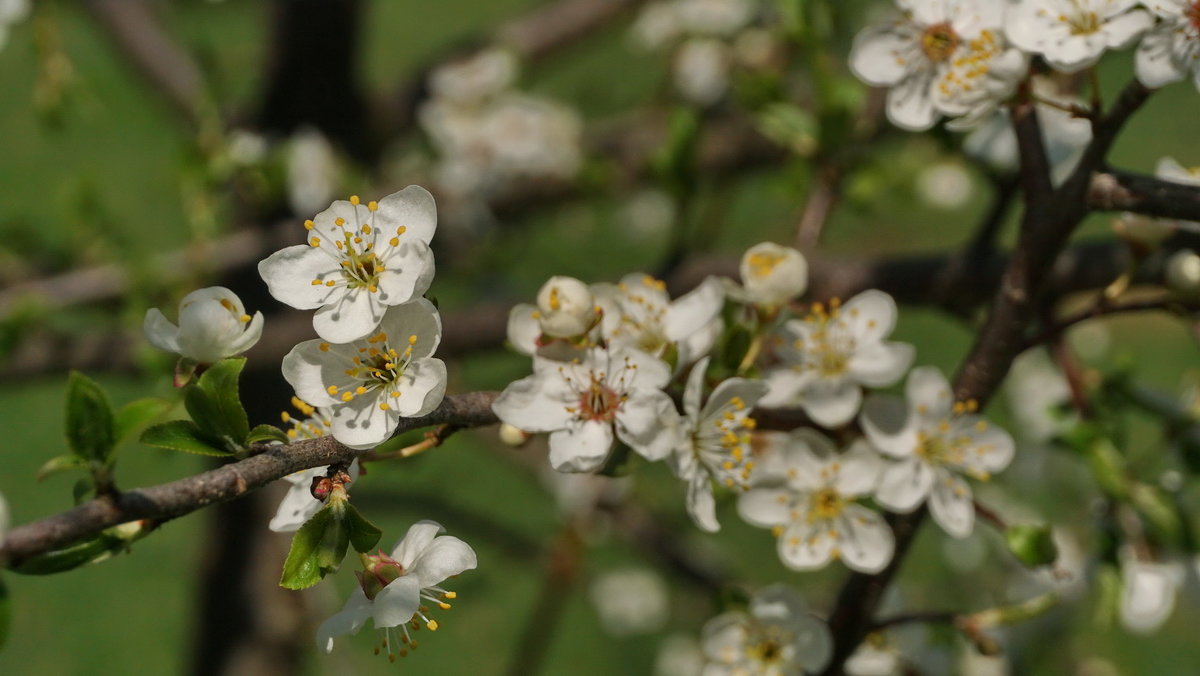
89,419
317,548
220,382
60,464
364,535
263,433
183,435
137,414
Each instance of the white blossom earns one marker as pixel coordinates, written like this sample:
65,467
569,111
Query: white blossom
1034,389
941,57
11,12
809,493
1169,169
1183,272
1172,47
584,403
360,259
828,356
776,637
1148,591
392,589
1072,34
1064,136
713,444
702,68
934,440
630,601
566,308
475,78
771,276
312,171
371,383
213,325
638,313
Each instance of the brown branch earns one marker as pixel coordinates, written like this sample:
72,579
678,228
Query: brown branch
1169,304
168,501
154,53
1051,216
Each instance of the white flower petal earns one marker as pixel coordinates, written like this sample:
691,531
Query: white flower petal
648,421
407,274
865,541
887,424
396,603
419,536
693,390
880,364
880,55
161,333
951,505
859,470
700,504
424,387
351,317
290,272
904,485
910,103
690,312
583,448
445,557
832,403
524,404
523,328
351,618
414,208
928,392
303,368
804,546
765,507
361,424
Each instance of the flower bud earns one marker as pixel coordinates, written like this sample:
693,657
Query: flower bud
1183,273
213,325
565,307
513,436
379,570
1032,544
773,274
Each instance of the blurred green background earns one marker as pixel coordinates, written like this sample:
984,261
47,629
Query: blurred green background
102,182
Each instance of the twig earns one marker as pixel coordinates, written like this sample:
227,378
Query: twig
822,196
169,69
1167,304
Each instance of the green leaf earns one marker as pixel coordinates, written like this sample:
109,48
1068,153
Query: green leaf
137,414
67,558
317,548
266,433
5,613
183,435
364,535
1032,544
60,464
220,383
89,419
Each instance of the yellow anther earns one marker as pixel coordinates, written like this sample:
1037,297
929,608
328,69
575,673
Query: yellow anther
412,340
443,605
360,390
317,282
244,318
285,416
433,625
332,389
354,200
373,289
346,396
366,229
389,366
331,283
394,395
401,230
372,205
291,434
339,221
315,241
324,347
384,406
395,241
450,595
308,225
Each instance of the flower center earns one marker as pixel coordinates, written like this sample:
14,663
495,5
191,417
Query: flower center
832,344
377,365
360,264
939,42
825,504
722,446
599,401
763,263
767,651
1082,23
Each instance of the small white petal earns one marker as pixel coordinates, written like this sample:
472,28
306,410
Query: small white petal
904,485
419,536
414,208
765,507
445,557
866,542
161,333
290,272
352,316
700,504
396,603
351,618
804,546
951,505
581,449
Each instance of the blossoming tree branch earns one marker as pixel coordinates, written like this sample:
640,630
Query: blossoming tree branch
770,400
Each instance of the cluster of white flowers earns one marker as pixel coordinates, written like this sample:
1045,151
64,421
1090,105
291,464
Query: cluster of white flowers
709,37
776,636
489,136
964,58
603,362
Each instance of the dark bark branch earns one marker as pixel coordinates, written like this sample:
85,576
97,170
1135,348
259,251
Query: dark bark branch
1051,216
168,501
166,67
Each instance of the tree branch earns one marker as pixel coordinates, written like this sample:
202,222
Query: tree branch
177,498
